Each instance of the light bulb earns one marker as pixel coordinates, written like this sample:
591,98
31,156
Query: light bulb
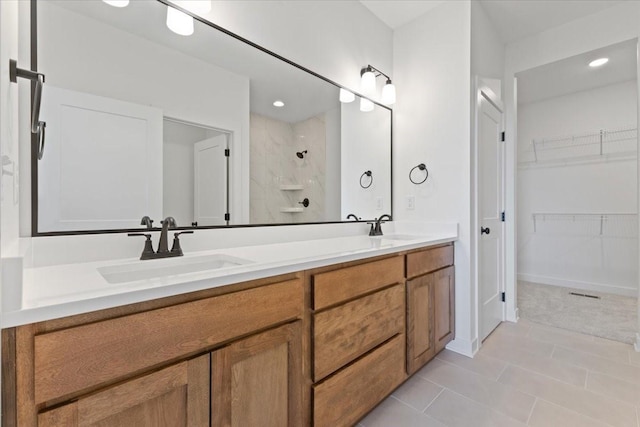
346,96
278,103
368,82
117,3
598,62
366,105
388,94
179,22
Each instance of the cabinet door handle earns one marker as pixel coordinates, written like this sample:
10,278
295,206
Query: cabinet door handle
485,230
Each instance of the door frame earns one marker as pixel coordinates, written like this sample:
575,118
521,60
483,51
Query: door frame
481,89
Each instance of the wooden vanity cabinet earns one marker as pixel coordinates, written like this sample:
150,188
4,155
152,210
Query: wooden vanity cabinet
430,304
358,340
220,360
174,396
258,381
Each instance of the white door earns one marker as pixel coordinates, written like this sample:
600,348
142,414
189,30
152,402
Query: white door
102,163
210,181
490,205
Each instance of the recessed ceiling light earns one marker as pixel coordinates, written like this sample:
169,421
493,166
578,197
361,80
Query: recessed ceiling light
598,62
278,103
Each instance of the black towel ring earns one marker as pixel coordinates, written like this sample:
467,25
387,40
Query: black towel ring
370,175
422,167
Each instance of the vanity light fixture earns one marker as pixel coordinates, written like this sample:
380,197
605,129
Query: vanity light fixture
598,62
179,22
117,3
366,105
368,84
367,80
278,103
346,96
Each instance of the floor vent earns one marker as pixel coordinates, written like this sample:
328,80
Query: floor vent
584,295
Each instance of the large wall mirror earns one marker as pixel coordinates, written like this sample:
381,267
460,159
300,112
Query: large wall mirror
143,121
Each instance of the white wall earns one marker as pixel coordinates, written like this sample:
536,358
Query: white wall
365,147
432,72
333,38
613,25
567,252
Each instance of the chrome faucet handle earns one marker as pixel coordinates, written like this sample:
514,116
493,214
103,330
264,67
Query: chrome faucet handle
148,251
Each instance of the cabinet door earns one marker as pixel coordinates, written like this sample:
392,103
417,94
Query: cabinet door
257,381
420,322
443,297
174,396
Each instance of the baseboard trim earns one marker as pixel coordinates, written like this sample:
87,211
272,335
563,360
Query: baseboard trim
596,287
463,347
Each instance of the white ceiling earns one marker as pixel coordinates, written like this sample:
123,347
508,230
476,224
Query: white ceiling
396,13
574,74
513,19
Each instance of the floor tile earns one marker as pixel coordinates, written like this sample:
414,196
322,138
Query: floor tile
622,371
499,340
546,414
490,393
634,358
417,392
613,387
485,366
585,402
455,410
392,412
555,369
520,328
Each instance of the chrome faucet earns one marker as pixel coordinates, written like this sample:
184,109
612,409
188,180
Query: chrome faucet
376,228
163,246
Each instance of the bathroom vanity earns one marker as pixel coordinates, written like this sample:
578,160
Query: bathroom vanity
320,343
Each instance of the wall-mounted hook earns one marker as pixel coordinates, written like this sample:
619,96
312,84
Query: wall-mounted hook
37,126
370,175
421,167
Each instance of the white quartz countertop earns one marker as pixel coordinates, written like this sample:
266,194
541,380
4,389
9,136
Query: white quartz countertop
57,291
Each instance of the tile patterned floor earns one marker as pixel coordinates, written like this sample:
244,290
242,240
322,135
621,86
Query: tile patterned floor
525,374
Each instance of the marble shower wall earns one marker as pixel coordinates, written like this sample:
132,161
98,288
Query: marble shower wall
274,165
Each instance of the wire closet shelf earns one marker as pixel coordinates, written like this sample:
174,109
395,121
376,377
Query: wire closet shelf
605,144
604,225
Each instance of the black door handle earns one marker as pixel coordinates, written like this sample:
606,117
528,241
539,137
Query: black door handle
485,230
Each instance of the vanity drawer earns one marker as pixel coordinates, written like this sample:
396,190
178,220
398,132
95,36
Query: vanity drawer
347,283
343,333
344,398
423,262
81,358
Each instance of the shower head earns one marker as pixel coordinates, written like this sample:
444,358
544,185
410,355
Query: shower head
301,154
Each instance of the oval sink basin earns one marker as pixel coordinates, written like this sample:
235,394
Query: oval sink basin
153,269
400,237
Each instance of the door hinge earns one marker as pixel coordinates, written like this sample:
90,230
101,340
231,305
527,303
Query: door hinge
227,216
227,152
502,137
504,296
502,216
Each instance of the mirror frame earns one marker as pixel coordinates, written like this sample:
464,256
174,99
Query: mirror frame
33,18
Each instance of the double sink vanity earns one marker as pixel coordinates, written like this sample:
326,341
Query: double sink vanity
309,332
